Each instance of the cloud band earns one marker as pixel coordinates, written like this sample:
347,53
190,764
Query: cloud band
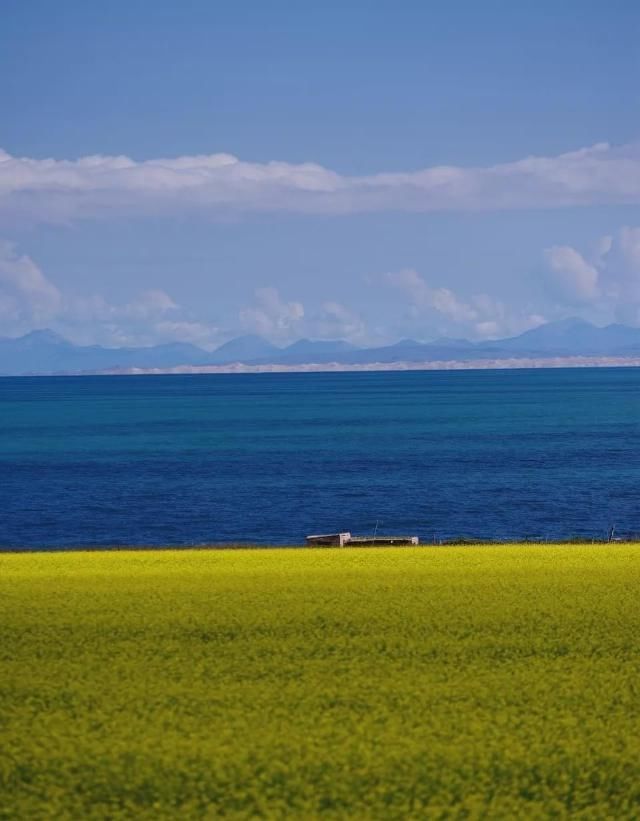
100,186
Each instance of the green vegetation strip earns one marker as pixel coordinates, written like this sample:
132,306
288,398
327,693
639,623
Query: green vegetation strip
496,682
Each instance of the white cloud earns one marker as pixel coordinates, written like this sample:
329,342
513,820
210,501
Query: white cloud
609,281
26,295
146,306
28,300
272,316
336,321
577,278
480,316
422,296
101,186
282,321
197,333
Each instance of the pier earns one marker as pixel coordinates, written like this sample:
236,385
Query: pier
345,539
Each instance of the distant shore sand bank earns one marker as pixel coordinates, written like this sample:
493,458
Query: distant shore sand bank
439,365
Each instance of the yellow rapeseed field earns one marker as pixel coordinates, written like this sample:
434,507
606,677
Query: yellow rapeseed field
479,682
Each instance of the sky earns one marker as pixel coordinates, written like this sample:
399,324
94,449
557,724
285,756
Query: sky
200,170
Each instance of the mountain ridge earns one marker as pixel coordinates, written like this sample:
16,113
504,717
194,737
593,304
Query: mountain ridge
45,351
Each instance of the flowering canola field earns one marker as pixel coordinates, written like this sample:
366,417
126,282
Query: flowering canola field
493,682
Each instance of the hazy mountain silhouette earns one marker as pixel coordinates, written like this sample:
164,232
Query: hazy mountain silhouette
45,351
243,349
573,337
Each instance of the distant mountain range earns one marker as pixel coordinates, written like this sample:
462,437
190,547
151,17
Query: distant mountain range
46,352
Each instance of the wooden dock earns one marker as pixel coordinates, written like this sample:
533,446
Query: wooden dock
373,541
345,539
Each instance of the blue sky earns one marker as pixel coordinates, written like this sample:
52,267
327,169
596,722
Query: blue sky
356,169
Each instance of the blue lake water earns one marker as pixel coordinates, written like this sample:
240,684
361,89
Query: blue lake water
269,458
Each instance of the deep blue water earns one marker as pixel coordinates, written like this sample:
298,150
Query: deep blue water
269,458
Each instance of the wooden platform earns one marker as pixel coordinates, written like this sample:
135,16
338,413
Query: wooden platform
345,539
378,540
329,539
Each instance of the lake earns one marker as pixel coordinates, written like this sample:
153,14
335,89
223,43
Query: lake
270,458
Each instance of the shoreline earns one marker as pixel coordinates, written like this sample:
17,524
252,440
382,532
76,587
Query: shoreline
510,363
238,546
498,364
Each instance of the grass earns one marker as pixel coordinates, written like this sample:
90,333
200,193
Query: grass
494,682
